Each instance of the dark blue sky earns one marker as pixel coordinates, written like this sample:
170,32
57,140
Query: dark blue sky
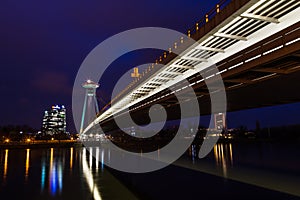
43,43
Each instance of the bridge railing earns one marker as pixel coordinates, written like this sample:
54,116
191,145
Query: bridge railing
287,40
208,16
168,56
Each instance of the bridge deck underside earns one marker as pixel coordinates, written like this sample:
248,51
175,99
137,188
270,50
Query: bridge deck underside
278,84
257,71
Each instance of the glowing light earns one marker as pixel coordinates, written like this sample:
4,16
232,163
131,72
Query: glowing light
224,164
97,158
71,158
5,163
52,139
7,140
28,140
27,163
53,181
230,152
55,107
102,159
89,177
216,154
43,176
52,172
60,178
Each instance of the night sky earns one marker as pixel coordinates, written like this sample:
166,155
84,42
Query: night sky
43,43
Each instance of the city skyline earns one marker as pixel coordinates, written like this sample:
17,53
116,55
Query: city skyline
152,99
42,52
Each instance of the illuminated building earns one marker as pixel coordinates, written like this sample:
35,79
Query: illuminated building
220,121
54,121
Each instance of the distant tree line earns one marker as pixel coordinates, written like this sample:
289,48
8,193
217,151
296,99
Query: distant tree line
281,132
16,132
288,132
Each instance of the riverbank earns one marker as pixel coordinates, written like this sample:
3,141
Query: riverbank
41,144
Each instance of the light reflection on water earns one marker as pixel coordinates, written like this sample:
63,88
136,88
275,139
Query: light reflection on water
223,156
27,163
58,173
5,164
72,173
271,165
53,172
89,176
71,158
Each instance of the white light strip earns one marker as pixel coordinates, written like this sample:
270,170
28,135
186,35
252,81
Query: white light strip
253,58
252,8
210,49
220,72
200,81
210,76
235,85
182,66
234,66
270,51
266,5
293,41
260,78
283,11
194,59
270,8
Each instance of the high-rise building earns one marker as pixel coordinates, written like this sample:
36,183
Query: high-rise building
54,121
220,121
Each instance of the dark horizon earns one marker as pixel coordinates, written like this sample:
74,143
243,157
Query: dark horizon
268,117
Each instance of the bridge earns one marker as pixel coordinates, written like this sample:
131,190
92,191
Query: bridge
255,46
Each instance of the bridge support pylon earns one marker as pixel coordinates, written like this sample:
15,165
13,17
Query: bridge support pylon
89,100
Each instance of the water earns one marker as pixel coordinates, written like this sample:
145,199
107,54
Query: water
61,173
236,171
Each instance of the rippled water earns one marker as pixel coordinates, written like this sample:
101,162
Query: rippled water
61,173
244,170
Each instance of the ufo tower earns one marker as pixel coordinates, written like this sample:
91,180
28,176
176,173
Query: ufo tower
90,100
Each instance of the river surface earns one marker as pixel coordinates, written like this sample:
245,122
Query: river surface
248,170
